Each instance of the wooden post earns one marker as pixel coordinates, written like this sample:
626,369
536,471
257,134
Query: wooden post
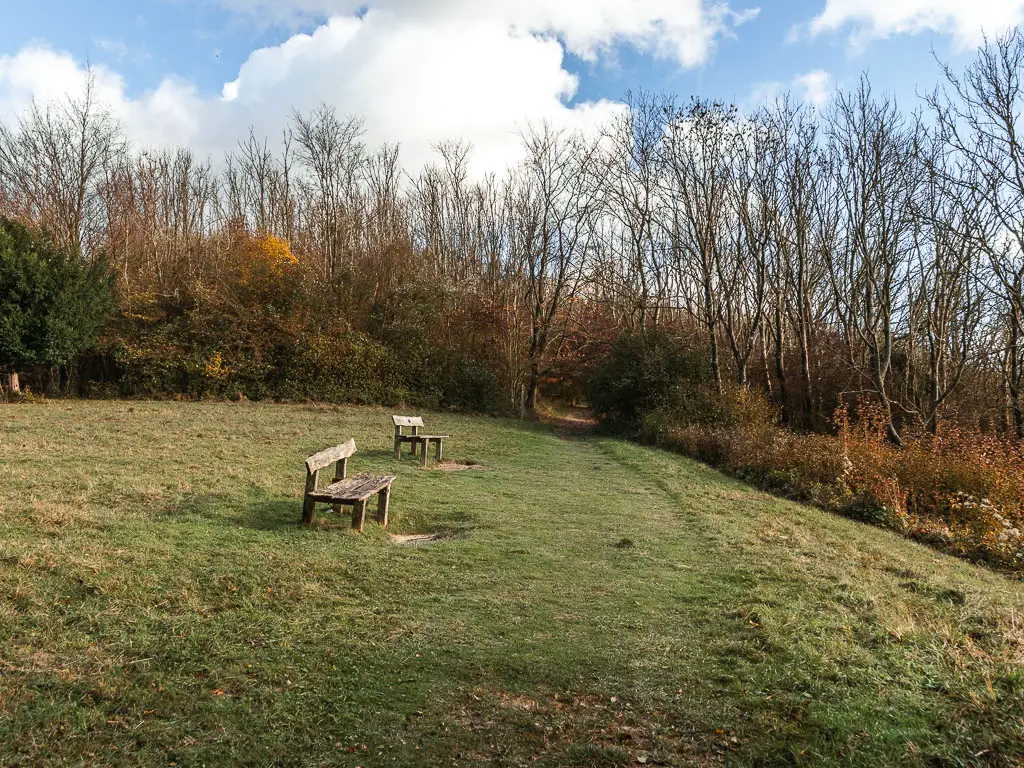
307,503
359,515
383,501
522,401
424,449
440,451
398,442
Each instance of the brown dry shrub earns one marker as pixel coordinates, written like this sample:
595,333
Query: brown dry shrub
960,491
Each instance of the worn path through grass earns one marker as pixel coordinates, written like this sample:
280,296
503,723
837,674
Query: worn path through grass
592,603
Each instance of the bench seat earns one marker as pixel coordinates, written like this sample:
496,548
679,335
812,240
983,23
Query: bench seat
357,488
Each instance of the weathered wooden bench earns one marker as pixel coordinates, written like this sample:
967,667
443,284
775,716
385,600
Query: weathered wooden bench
344,491
415,423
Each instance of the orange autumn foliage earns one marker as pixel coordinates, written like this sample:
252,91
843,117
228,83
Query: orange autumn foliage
265,258
263,267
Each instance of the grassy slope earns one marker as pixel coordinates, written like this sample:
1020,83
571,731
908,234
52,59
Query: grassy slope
159,603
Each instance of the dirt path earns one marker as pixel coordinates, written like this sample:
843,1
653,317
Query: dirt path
571,422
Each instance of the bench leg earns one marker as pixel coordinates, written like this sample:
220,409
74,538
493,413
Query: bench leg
398,448
336,508
424,449
359,515
412,446
383,501
440,451
307,510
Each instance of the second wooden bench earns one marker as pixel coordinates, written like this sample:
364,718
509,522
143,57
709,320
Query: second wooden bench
415,424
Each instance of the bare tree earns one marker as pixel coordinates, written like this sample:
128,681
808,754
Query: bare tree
947,299
743,267
259,186
876,167
701,144
803,232
633,238
554,230
332,156
160,211
52,162
980,115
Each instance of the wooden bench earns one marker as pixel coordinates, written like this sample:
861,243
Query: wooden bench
415,423
344,491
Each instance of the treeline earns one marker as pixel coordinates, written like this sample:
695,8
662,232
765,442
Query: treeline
862,251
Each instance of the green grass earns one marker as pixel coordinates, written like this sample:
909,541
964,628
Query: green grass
598,604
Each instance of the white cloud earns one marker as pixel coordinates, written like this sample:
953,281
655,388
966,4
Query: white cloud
413,83
965,20
38,72
417,71
814,88
682,30
165,116
416,84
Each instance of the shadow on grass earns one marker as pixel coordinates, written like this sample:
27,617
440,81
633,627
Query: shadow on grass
257,513
271,515
374,453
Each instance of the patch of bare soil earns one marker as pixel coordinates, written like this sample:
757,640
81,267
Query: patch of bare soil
456,466
418,539
598,730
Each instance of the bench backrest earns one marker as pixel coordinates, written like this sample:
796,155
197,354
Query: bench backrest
407,421
328,456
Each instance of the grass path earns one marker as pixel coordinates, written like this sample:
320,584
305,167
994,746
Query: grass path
595,603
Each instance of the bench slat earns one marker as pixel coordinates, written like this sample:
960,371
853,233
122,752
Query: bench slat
407,421
354,489
328,456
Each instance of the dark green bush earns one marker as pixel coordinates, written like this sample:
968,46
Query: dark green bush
649,372
472,386
350,368
197,346
52,302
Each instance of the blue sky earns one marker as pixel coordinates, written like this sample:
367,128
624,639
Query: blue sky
165,63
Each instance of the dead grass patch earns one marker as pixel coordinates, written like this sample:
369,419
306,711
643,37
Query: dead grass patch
420,539
458,466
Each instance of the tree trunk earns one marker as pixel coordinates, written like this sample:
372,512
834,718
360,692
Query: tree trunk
890,425
1015,400
805,375
764,361
1013,380
531,388
13,383
715,367
711,323
933,385
780,365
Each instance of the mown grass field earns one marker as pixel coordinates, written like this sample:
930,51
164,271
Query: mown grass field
597,604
